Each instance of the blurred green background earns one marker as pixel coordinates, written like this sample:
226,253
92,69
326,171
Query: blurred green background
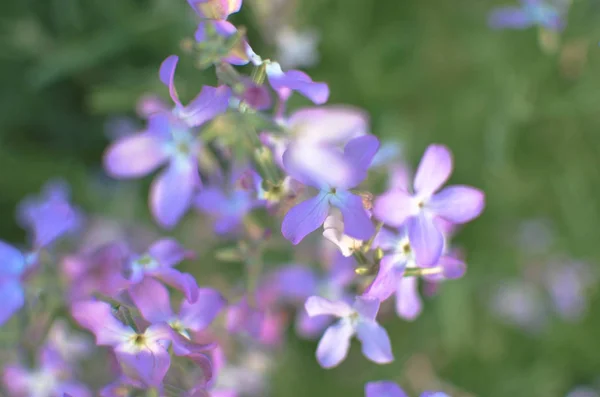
520,113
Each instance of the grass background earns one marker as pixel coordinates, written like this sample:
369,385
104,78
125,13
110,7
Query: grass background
523,122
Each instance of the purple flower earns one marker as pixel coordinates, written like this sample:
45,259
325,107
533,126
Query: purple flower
390,279
52,378
243,317
384,389
296,283
358,319
227,206
169,139
50,216
530,13
158,263
143,356
457,204
153,301
284,83
567,285
390,389
70,346
97,271
12,266
333,191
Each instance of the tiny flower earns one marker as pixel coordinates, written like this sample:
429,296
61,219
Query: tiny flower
12,267
399,256
143,356
52,378
457,204
333,191
50,216
391,389
158,263
284,83
530,13
227,206
153,301
358,320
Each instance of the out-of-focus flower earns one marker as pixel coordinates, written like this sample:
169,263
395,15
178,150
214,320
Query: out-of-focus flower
153,301
52,378
390,389
531,13
567,284
333,191
297,48
520,303
456,204
143,355
358,320
70,346
158,263
49,216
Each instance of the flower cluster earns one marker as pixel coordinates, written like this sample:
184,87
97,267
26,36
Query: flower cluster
262,179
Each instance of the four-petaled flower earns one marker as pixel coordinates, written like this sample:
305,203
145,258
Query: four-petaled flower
143,356
419,210
358,319
333,191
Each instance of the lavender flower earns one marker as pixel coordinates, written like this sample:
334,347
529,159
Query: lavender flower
49,216
143,356
284,83
457,204
399,256
333,191
358,319
391,389
152,300
531,12
170,139
52,378
158,263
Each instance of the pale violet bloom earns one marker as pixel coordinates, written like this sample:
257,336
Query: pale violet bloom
297,48
358,320
420,210
390,389
530,13
334,232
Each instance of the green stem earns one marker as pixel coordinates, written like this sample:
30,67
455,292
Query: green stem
367,246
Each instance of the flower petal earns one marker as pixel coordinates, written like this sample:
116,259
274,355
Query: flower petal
148,365
168,252
387,278
333,125
167,76
509,17
317,306
434,169
394,207
452,267
171,192
210,102
457,204
311,327
12,297
98,318
135,155
360,152
366,307
295,80
305,217
357,223
408,301
152,300
334,344
12,261
295,282
375,342
425,239
183,282
383,389
198,315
